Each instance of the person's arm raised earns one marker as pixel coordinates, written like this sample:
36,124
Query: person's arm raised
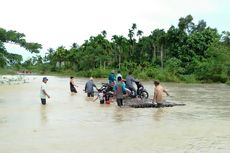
166,92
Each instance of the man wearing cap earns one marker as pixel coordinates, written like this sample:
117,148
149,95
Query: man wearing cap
43,91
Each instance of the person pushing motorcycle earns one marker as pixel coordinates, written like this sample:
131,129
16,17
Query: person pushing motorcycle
129,83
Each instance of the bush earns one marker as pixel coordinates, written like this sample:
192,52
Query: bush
7,71
142,75
228,82
100,73
188,78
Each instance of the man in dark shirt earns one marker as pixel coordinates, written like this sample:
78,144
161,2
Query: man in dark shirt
129,83
89,87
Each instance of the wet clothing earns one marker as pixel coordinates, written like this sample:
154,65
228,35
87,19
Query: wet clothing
89,88
120,102
102,101
119,89
101,97
43,101
108,94
43,88
129,83
42,94
91,94
112,78
72,88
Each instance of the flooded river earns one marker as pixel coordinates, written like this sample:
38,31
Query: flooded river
73,124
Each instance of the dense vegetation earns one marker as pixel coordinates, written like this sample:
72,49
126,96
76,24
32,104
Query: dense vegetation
187,52
10,59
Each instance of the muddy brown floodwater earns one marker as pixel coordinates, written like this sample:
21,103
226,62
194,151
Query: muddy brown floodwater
74,124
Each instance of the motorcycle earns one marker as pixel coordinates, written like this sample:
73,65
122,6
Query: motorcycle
141,91
106,87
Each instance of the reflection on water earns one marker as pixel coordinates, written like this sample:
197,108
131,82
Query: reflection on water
75,123
73,94
3,120
43,111
119,114
89,99
158,114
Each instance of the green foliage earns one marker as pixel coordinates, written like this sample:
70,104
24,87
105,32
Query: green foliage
16,38
2,61
187,52
14,59
7,71
100,73
228,82
216,66
142,75
173,66
188,78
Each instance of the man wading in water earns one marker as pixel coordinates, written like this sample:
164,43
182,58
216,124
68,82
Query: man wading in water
89,87
158,93
72,85
43,91
119,90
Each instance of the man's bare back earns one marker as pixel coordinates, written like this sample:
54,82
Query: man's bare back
159,92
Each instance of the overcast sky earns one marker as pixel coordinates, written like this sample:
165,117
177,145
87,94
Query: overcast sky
53,23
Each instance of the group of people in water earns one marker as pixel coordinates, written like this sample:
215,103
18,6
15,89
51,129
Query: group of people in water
119,88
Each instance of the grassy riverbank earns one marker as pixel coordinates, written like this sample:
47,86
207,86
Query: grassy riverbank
141,74
7,71
148,74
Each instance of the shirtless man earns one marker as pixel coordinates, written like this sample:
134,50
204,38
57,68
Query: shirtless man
158,93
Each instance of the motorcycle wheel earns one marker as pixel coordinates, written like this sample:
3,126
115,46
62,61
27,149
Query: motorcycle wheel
144,95
132,94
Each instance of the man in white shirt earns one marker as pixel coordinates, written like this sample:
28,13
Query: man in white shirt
43,91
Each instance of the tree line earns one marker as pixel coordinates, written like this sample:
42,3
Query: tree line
186,52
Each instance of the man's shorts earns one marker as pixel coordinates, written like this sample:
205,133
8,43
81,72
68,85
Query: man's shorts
101,101
73,90
43,101
91,94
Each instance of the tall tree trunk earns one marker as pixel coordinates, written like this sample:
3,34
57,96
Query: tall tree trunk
140,56
154,53
119,61
119,58
162,48
165,53
74,66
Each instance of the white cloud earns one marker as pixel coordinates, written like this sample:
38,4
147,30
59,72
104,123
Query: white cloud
62,22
